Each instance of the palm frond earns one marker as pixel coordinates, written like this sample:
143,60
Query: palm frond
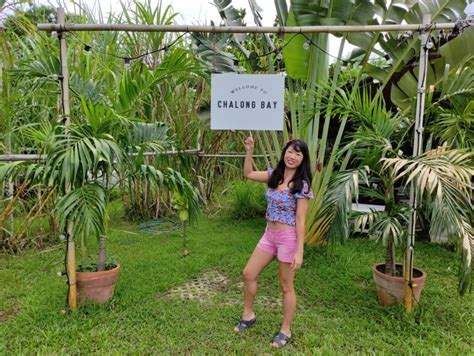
143,133
443,172
362,221
84,209
444,176
81,152
465,270
330,222
174,182
9,170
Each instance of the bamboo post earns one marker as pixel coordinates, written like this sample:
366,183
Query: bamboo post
65,119
417,150
64,71
9,182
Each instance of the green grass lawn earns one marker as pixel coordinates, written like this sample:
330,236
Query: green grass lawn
338,312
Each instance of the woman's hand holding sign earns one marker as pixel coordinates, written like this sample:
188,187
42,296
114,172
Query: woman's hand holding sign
258,176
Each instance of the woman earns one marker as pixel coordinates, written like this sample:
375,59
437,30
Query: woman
287,203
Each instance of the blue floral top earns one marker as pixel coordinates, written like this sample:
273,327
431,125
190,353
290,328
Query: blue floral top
281,205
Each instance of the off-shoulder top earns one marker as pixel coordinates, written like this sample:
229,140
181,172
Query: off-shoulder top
281,204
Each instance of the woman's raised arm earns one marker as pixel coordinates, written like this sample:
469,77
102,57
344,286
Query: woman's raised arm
249,173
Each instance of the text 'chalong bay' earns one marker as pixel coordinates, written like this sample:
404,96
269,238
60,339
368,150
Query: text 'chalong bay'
246,104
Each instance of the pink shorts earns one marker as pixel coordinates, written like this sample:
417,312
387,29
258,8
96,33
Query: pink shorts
280,243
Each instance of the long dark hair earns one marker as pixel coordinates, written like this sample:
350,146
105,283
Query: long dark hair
303,172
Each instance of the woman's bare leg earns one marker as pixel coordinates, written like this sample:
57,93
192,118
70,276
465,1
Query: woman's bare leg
287,275
257,262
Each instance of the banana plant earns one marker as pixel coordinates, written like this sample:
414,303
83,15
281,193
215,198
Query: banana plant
306,61
303,64
398,79
307,70
451,113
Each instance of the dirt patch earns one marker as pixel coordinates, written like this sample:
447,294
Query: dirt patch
362,282
8,314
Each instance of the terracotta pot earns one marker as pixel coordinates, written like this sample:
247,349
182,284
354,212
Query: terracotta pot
96,287
391,290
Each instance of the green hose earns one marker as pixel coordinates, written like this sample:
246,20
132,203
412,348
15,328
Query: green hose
159,226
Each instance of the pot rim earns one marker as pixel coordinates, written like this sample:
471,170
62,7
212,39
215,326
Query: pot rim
374,269
99,273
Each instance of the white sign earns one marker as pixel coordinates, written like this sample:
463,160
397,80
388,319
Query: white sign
247,101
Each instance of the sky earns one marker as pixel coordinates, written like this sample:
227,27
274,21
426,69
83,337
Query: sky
193,12
196,11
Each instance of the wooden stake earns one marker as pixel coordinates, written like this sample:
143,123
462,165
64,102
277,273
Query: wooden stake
71,273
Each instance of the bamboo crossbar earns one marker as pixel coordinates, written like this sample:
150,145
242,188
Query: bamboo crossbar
242,29
231,155
36,157
21,157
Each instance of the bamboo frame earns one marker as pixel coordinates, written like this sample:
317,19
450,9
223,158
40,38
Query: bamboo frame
427,26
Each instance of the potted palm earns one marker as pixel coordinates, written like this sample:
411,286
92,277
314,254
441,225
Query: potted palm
126,154
79,166
74,163
442,178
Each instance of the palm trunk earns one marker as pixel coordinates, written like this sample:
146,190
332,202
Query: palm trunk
157,204
138,200
102,254
185,240
390,258
131,203
122,186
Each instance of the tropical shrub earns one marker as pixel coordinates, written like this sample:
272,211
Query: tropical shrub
247,199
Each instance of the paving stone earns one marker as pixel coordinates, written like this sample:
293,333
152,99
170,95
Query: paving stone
213,285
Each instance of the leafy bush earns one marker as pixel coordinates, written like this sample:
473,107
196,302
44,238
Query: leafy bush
247,199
